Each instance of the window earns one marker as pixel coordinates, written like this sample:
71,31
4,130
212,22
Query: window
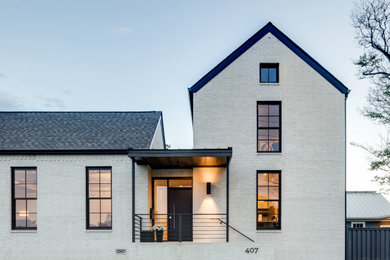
99,198
269,72
24,198
268,199
269,126
358,224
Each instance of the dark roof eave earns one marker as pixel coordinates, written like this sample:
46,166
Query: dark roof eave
269,27
181,152
63,152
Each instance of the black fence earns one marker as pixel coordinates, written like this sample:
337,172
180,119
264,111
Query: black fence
368,244
183,227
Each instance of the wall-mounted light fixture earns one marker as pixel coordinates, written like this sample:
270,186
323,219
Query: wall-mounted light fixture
208,187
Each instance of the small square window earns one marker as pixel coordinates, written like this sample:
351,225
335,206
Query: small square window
358,224
269,72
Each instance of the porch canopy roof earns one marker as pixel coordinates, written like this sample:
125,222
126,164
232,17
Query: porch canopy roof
181,158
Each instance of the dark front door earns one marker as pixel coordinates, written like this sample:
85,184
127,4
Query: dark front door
180,206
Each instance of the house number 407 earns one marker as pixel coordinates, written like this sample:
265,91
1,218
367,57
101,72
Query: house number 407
252,250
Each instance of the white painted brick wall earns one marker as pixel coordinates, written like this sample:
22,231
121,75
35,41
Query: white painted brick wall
61,232
313,152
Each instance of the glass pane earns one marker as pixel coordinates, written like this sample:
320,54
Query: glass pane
105,176
93,176
273,193
274,145
105,206
31,176
274,205
262,193
94,206
263,121
105,220
274,134
31,190
20,220
20,191
274,179
263,145
274,121
262,110
31,206
94,190
180,183
262,179
160,199
262,204
274,110
94,219
272,74
105,190
20,207
32,220
19,176
265,218
263,134
264,75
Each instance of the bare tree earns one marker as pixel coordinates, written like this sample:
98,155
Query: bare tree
371,20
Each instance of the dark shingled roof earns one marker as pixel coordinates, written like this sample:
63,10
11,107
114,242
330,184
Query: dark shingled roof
77,130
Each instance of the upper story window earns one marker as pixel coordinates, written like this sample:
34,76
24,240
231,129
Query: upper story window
269,72
99,198
269,126
24,198
268,199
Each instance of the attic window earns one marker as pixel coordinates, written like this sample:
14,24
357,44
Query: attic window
269,72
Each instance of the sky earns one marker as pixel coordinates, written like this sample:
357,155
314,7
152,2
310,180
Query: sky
143,55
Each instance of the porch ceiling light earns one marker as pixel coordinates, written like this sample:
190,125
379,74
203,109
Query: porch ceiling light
208,187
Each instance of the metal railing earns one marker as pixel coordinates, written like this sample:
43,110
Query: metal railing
239,232
200,227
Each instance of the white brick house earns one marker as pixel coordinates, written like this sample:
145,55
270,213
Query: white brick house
89,185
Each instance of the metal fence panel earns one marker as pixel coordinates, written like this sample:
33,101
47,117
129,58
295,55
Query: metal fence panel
368,244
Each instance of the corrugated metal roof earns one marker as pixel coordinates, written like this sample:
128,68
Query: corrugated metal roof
77,130
367,205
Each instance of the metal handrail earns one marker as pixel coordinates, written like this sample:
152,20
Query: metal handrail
221,221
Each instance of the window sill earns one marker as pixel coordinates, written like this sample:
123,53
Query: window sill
269,231
24,231
259,153
98,230
269,84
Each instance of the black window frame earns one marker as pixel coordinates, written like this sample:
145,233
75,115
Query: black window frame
273,128
13,199
269,66
279,227
88,227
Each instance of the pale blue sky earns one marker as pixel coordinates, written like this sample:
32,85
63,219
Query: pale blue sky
143,55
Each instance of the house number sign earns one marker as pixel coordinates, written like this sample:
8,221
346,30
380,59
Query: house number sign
252,250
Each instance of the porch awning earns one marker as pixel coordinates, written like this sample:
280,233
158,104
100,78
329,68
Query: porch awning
181,158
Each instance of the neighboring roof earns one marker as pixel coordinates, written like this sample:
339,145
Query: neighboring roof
181,158
367,205
69,131
268,28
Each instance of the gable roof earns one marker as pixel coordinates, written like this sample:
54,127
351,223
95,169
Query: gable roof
367,205
22,131
268,28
